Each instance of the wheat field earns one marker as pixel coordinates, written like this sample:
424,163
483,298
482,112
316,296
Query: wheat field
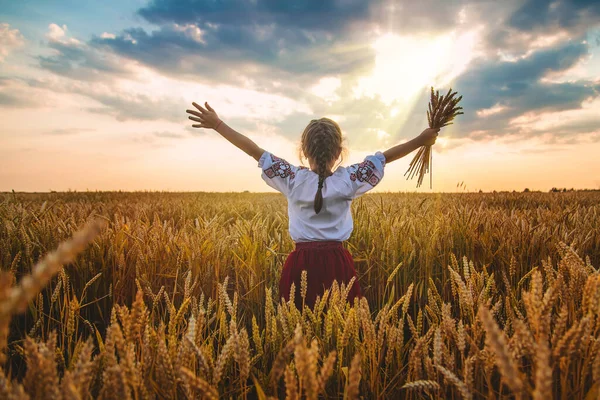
174,296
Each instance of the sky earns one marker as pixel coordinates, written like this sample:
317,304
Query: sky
93,94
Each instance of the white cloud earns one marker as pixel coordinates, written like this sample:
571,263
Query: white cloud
10,39
191,31
486,112
587,68
58,34
585,120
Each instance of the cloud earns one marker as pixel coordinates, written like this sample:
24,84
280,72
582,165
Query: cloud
266,46
12,100
75,59
288,48
126,107
123,105
326,16
20,93
69,131
236,55
169,135
575,124
362,119
10,39
58,34
548,14
494,93
514,88
536,23
236,41
148,141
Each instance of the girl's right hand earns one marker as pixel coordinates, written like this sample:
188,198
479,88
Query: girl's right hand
428,136
208,118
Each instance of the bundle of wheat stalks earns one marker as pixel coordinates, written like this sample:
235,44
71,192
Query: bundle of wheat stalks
441,112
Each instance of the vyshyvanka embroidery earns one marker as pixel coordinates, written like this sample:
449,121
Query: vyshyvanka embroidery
280,168
365,173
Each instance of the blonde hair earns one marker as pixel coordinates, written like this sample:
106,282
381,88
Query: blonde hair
322,142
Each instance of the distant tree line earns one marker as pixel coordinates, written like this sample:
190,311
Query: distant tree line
553,190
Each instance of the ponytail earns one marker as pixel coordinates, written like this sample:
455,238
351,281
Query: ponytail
319,195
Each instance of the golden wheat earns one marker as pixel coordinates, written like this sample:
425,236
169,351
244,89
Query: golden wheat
177,299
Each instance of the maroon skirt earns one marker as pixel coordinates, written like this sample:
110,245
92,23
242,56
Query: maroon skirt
324,262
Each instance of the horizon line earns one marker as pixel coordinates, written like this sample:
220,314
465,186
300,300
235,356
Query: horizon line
526,190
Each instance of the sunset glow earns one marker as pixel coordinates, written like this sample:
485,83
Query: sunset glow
94,97
405,66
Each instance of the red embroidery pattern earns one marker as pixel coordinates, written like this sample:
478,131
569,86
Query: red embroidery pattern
280,168
365,173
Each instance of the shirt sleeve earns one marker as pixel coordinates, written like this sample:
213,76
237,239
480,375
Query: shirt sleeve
366,175
277,173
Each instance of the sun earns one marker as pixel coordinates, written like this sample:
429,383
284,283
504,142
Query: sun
406,65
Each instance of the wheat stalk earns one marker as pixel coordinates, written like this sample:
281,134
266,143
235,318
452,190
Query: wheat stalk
441,112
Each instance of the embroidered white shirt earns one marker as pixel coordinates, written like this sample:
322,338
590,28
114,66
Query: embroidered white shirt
299,185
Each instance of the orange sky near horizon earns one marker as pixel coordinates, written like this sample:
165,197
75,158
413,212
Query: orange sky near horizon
106,120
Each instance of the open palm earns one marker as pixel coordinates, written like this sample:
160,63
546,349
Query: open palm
208,118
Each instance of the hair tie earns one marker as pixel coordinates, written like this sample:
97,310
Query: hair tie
321,179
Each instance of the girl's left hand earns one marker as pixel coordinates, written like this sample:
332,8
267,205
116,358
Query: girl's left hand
208,118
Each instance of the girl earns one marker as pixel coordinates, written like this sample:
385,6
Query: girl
318,198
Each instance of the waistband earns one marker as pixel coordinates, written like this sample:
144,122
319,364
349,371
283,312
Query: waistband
320,244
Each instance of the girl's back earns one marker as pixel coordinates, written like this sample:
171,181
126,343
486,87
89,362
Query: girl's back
318,200
299,184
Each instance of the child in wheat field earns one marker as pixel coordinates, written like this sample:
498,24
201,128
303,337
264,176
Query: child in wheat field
319,198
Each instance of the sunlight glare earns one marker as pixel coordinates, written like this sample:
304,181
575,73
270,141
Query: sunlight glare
406,65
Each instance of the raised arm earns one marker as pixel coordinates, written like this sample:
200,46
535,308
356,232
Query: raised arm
426,138
209,119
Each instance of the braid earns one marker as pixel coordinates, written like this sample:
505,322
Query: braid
322,142
323,155
319,196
